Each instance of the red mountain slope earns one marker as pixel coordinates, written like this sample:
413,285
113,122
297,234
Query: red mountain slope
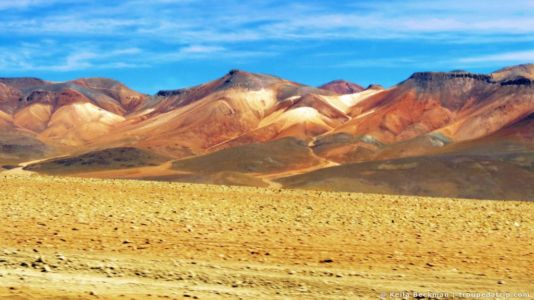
426,115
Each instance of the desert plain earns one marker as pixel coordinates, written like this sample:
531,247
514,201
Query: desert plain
78,238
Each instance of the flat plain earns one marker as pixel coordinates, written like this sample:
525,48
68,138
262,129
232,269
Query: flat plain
77,238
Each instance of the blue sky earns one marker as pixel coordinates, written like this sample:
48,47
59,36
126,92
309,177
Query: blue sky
167,44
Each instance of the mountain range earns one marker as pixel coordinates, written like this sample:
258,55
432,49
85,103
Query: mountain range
453,134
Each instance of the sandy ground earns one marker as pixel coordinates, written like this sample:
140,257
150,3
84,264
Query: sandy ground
74,238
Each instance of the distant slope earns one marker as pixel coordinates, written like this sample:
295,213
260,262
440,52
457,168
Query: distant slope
342,87
444,176
128,99
65,115
452,106
500,166
277,156
19,146
235,79
197,120
514,72
247,128
108,159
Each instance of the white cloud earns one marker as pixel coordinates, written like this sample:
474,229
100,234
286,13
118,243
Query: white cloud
431,63
162,31
48,55
199,49
189,21
506,57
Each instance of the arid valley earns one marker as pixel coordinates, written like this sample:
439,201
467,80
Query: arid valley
268,149
255,187
71,238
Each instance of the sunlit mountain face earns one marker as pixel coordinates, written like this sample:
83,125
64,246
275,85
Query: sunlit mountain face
181,43
266,130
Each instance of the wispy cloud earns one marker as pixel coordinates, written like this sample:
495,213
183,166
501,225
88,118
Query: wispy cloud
199,49
429,62
201,52
506,57
232,21
48,55
162,31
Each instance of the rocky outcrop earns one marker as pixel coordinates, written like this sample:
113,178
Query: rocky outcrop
494,78
439,76
170,93
518,81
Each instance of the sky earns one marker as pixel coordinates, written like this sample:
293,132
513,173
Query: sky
166,44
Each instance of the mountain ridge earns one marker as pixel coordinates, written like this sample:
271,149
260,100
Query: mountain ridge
411,120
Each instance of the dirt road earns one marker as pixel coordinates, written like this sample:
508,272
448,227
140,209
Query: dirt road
97,239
